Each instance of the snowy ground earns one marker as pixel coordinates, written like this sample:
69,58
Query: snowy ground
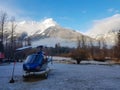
64,77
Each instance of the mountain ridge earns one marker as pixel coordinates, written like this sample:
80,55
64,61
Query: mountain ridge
49,29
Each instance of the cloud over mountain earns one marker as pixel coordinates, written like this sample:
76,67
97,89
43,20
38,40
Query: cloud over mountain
32,27
105,25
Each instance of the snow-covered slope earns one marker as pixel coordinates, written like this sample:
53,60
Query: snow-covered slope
58,34
110,38
44,25
106,29
32,27
48,32
58,31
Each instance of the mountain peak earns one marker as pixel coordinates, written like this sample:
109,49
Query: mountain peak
49,22
22,22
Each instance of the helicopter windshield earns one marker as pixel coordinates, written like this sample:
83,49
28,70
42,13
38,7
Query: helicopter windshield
34,58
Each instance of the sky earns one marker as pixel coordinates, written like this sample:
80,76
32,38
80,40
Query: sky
80,15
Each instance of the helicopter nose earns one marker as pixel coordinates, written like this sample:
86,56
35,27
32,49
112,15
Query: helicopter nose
26,67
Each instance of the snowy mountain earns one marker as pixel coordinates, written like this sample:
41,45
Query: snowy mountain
57,34
48,32
32,27
110,38
106,29
54,35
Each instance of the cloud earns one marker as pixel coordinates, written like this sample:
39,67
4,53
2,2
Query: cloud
105,25
110,9
9,6
113,10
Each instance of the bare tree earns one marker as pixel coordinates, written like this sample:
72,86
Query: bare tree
83,42
3,19
78,42
13,26
117,47
27,41
97,50
80,52
91,49
23,38
104,49
101,50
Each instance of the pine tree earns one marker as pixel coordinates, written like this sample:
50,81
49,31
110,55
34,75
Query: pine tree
118,45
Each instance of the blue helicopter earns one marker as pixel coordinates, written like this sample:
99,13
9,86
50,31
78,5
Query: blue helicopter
37,63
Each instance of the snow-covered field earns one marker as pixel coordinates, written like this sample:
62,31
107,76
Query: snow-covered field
64,77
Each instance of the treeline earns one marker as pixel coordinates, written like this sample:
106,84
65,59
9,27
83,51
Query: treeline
99,51
9,39
91,50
